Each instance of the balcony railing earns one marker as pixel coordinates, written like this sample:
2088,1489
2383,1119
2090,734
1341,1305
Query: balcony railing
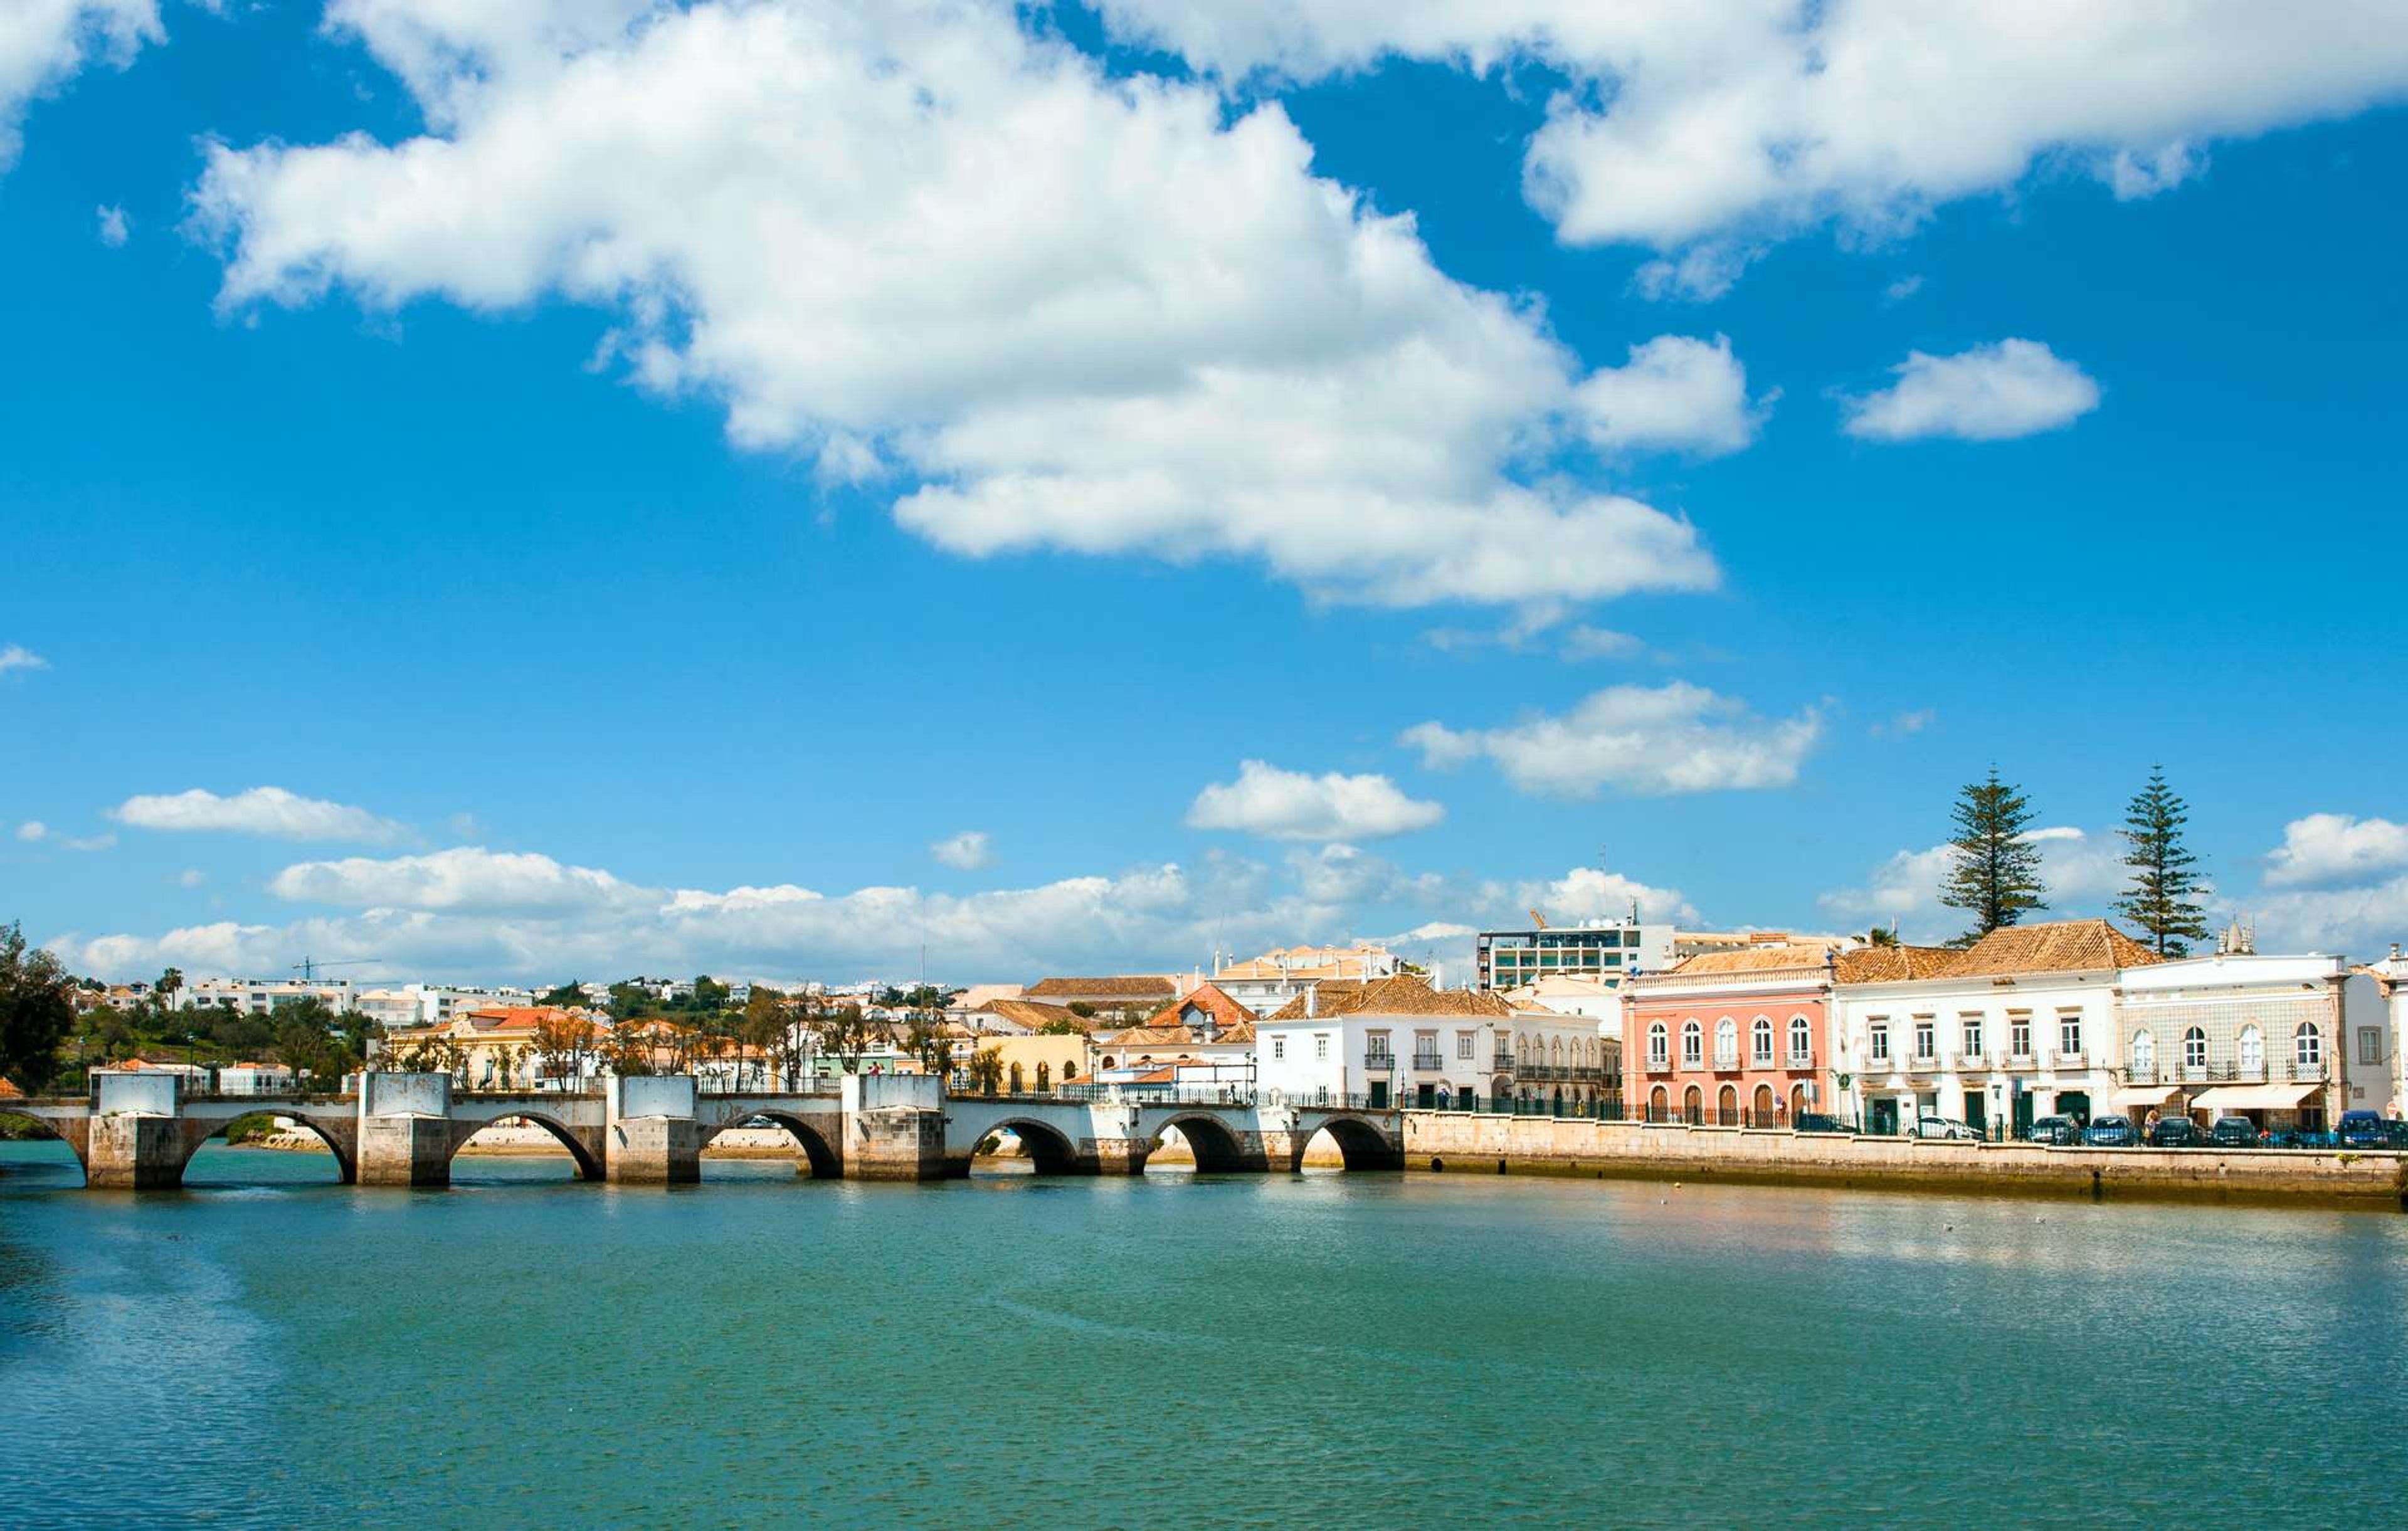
1657,1065
2071,1058
1924,1063
1379,1063
2303,1072
1428,1061
2021,1060
1799,1060
1503,1063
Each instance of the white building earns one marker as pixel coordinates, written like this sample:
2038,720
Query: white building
413,1004
2390,979
2283,1041
1263,984
1399,1041
260,996
254,1078
1567,995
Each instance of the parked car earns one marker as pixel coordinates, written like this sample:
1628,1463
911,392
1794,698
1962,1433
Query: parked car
2060,1130
2112,1132
2176,1132
2233,1132
1946,1128
2364,1129
1817,1121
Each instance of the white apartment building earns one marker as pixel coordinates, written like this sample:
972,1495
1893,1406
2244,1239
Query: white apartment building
259,997
2017,1026
1399,1041
412,1005
2282,1040
2390,979
1264,983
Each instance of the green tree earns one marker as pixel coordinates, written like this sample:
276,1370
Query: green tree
563,995
926,1040
1881,935
170,983
36,1010
844,1034
2162,898
986,1070
1064,1028
1994,867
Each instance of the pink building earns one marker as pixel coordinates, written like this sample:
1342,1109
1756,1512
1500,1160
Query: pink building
1730,1038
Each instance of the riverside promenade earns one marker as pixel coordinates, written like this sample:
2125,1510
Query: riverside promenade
1450,1142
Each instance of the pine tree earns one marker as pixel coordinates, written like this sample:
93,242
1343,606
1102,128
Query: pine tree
1994,871
2162,898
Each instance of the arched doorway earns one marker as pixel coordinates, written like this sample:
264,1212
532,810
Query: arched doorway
1015,1079
1763,1107
1660,1105
1693,1106
1797,1101
511,1155
1727,1107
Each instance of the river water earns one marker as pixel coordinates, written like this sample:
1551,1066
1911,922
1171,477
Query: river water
1350,1350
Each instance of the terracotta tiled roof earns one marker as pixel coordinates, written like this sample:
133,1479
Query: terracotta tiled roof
1209,998
1153,984
2060,946
1404,994
1328,993
1751,959
1034,1016
513,1017
1890,964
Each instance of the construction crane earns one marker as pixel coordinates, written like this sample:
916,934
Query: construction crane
307,966
1538,920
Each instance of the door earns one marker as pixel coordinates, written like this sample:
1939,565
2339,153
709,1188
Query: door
1974,1110
2073,1103
2023,1117
1429,1097
1881,1117
1379,1094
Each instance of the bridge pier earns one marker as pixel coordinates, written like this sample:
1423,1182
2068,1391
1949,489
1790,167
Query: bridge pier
406,1135
894,1128
135,1139
650,1136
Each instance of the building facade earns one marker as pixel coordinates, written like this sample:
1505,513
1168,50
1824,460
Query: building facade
1264,983
2287,1041
1399,1041
1731,1039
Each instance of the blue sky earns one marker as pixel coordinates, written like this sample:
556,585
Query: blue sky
664,484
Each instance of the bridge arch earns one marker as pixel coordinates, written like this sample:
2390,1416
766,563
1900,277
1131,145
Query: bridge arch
1216,1147
1360,1143
49,1128
1050,1152
814,1145
347,1164
589,1167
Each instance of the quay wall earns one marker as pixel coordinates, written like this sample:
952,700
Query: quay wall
1452,1142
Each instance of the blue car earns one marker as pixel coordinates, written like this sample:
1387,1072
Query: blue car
2112,1132
2364,1129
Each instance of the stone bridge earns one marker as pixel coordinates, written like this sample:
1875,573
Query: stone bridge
138,1131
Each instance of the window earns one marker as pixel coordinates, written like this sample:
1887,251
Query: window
1763,1038
2144,1054
1660,1043
2069,1033
2019,1035
2253,1050
1926,1037
1972,1027
1321,1046
2370,1044
1879,1034
1801,1039
1278,1047
1726,1043
1692,1044
2194,1049
2308,1045
1463,1044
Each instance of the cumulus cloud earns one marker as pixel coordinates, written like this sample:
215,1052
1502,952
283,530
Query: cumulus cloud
32,830
1987,393
16,656
1693,127
1592,892
1583,641
464,878
1672,738
45,43
966,851
1292,805
2083,869
190,876
1345,875
1674,392
115,228
1044,308
2360,922
258,810
2326,848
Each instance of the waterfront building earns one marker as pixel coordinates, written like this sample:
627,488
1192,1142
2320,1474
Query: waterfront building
1732,1038
2390,979
256,1079
1397,1040
1559,1059
1037,1063
2285,1041
1205,1027
493,1048
1263,984
2019,1025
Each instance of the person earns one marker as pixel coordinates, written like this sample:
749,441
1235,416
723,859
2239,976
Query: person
2149,1127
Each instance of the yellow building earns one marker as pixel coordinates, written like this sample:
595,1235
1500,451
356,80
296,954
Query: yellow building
1040,1064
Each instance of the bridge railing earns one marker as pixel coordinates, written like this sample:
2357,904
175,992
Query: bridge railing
1121,1094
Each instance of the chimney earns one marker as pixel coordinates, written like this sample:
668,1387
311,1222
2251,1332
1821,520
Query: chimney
1308,990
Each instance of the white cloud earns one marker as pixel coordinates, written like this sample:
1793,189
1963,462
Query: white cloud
1292,805
1688,124
115,228
1675,392
1992,392
967,851
43,43
1586,642
2326,848
1671,738
257,810
16,656
464,878
2084,871
1053,310
1591,892
1905,725
190,876
1345,875
32,830
1902,289
2360,922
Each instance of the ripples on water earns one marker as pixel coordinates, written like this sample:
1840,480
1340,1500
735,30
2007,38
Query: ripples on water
1179,1349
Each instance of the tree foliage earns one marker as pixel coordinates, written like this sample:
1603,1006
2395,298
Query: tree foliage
36,1010
2162,896
1994,871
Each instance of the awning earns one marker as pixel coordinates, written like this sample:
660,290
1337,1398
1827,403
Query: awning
2142,1095
2257,1097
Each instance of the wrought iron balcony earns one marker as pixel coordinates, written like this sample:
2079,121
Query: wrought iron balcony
1428,1062
1379,1063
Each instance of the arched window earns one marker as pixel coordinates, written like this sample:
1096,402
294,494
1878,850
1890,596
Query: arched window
1070,1072
1801,1039
1044,1077
1660,1043
1693,1045
1015,1078
2145,1053
1726,1043
2194,1049
2308,1045
1556,1053
1762,1038
2253,1051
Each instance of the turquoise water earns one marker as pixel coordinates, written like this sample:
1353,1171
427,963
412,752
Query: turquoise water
1332,1349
